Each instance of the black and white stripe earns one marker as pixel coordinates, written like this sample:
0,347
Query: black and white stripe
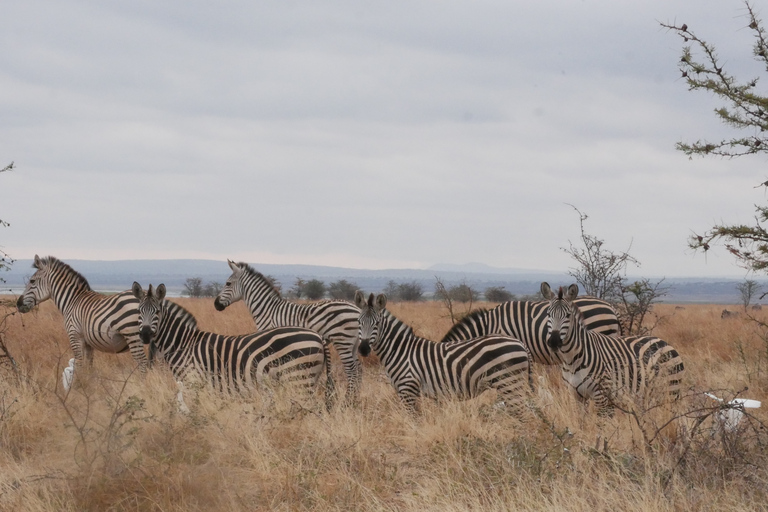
335,320
604,368
93,321
463,369
291,355
527,322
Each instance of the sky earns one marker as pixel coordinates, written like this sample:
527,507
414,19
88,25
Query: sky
380,134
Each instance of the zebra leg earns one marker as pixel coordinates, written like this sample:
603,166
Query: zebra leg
137,352
408,391
330,387
353,371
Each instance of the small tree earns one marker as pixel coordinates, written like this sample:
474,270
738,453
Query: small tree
314,289
498,294
748,289
600,272
410,292
212,289
636,304
463,293
343,290
297,290
391,291
193,287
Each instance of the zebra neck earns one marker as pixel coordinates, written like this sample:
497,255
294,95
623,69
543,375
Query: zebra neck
176,333
68,290
394,337
572,351
262,299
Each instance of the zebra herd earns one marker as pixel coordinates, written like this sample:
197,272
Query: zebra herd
487,349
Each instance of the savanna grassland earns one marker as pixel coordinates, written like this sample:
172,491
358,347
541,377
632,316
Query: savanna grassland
117,441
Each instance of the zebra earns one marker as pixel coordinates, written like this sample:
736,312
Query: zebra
335,320
293,355
601,367
463,369
92,320
527,322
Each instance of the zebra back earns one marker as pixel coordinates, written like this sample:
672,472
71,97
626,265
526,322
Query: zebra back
527,322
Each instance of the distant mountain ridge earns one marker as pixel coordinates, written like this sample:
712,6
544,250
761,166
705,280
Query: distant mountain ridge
120,274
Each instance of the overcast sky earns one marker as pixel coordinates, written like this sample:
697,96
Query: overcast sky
378,134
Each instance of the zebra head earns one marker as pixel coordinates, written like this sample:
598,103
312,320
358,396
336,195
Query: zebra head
369,321
150,312
559,313
233,290
38,287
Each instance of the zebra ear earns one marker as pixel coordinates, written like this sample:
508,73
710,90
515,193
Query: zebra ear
360,299
37,263
160,292
573,292
137,291
381,301
546,291
233,265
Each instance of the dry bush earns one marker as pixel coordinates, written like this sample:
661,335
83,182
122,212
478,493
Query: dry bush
118,442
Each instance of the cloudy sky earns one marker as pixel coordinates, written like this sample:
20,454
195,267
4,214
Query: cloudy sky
380,134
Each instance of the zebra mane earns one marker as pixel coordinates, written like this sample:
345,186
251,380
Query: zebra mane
258,275
467,319
51,261
179,312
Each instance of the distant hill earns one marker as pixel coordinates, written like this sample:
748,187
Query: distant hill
119,275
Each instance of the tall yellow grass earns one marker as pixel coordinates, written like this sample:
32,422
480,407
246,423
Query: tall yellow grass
118,442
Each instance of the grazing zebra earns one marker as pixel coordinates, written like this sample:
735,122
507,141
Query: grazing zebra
464,368
292,355
93,321
335,320
603,367
527,322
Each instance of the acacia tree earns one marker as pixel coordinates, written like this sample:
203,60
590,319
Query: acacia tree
5,260
746,110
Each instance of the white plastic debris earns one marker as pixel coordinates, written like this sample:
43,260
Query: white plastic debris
730,416
68,375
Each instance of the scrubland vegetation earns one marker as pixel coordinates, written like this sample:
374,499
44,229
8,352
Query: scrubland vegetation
118,442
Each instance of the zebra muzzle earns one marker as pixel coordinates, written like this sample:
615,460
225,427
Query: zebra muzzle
146,335
218,305
364,348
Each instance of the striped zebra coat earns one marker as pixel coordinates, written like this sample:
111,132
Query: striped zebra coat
608,369
93,321
527,322
335,320
463,369
292,355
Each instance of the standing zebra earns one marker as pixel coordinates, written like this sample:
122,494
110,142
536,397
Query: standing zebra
603,367
93,321
527,322
464,368
292,355
335,320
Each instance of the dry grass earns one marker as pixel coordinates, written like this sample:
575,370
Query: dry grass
118,442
